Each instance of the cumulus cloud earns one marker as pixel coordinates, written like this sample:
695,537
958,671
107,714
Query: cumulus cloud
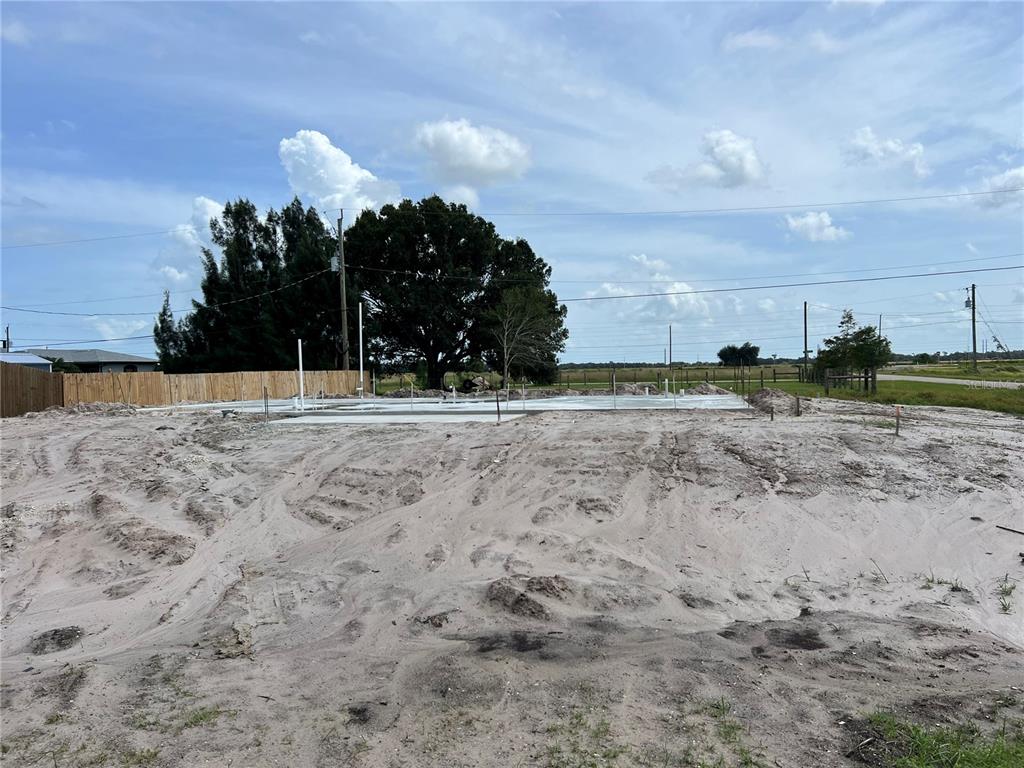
460,193
319,170
766,305
179,262
754,38
817,227
654,265
118,328
655,309
730,160
1005,187
15,33
462,153
867,147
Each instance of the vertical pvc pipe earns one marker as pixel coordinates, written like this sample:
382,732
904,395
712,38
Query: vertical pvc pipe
361,350
302,382
615,402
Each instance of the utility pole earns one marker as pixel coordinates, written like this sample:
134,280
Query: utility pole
805,341
974,329
7,339
342,283
879,323
672,375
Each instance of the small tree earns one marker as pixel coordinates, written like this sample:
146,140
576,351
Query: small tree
854,348
527,334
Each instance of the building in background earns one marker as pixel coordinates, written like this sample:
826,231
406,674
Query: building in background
99,360
27,359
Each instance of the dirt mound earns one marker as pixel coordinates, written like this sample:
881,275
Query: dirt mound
406,392
706,388
506,593
773,399
106,409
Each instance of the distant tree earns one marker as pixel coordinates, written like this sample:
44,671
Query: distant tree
853,347
924,358
438,271
729,355
528,333
60,366
746,354
428,273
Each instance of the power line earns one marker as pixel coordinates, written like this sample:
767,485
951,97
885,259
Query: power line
87,341
679,212
688,280
789,285
150,314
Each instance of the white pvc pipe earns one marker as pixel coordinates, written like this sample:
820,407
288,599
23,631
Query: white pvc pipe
360,350
615,402
302,382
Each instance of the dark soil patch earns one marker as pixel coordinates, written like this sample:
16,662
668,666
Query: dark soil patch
53,640
796,639
506,594
520,642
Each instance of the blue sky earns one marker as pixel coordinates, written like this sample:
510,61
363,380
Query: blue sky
133,118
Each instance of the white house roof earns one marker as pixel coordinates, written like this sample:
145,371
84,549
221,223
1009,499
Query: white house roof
22,358
92,356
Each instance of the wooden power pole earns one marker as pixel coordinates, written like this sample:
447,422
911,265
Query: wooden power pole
974,328
805,341
344,293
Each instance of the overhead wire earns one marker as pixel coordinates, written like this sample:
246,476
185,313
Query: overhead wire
671,212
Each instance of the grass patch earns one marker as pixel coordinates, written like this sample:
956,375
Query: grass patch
583,740
988,370
135,757
895,744
915,393
202,716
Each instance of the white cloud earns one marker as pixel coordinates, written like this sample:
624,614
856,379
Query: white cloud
754,38
817,227
971,247
119,328
867,147
317,169
644,261
1017,294
852,3
179,262
15,33
766,305
462,153
730,161
312,37
823,42
460,193
1006,186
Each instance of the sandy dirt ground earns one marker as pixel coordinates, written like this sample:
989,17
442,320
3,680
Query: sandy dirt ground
567,589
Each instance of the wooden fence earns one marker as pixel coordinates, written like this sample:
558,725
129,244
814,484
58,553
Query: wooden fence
25,389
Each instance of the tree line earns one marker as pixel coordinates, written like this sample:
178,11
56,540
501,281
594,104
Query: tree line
441,290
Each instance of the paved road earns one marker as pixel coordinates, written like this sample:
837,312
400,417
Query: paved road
965,382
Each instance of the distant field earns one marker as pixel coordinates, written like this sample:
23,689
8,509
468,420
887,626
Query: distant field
914,393
988,370
601,377
598,378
